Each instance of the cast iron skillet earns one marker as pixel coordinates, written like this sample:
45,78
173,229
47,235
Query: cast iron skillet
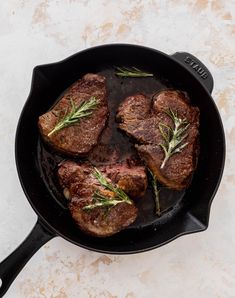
181,71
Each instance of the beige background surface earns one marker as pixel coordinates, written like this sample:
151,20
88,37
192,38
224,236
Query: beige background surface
42,31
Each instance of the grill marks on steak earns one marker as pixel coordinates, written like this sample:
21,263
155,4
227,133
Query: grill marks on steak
139,117
79,186
79,138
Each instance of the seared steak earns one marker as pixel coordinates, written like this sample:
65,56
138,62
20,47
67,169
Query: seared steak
99,222
80,137
131,179
79,186
140,116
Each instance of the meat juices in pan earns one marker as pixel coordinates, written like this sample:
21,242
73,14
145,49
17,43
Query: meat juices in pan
139,116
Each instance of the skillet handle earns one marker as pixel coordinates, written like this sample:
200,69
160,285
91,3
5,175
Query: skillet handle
196,67
14,263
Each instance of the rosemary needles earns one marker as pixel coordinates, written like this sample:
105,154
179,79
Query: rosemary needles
100,200
131,72
76,113
173,137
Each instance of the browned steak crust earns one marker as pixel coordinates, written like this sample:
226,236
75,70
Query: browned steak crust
139,117
100,223
79,138
79,186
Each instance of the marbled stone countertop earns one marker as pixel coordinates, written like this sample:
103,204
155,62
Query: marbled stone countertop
43,31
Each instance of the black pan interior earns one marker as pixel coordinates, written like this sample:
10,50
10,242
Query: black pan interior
184,211
118,89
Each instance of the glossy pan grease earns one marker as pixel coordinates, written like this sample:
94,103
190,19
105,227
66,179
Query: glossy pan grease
35,162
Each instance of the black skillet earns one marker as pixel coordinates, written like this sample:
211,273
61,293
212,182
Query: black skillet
184,212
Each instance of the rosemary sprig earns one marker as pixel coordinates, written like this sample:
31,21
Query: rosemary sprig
102,201
131,72
76,113
117,191
156,192
173,137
